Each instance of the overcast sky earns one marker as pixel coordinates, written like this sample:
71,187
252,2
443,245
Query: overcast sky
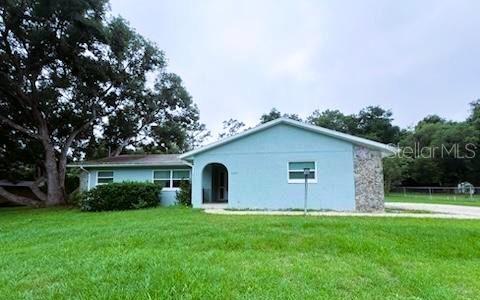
239,59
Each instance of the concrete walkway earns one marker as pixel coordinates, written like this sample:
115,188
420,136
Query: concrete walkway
458,210
343,214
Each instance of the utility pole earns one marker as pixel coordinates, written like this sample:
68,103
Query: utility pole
306,173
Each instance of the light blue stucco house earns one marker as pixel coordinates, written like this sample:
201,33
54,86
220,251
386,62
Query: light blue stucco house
263,168
166,170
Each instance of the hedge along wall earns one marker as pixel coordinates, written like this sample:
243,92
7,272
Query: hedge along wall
121,196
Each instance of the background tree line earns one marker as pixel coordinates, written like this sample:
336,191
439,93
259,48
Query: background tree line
376,123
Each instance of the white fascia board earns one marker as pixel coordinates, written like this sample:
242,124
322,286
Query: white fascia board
128,165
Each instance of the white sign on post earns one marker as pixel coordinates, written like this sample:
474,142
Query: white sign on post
306,173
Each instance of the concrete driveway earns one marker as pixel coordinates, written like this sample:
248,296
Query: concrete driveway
460,210
405,214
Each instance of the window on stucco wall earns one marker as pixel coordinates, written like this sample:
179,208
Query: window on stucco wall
296,171
170,178
104,177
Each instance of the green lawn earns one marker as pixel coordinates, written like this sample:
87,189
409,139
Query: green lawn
436,199
183,253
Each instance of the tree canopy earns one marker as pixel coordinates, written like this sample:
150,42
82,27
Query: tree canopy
275,114
73,80
231,127
372,122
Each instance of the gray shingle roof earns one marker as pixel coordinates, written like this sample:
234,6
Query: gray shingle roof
134,160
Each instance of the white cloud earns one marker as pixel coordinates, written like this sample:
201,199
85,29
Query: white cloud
297,65
240,58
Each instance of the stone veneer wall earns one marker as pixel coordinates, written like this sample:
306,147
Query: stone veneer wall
368,172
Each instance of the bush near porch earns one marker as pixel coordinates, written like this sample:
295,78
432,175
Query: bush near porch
171,253
184,195
121,196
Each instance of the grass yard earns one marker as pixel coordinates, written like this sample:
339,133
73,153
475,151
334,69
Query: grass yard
435,199
183,253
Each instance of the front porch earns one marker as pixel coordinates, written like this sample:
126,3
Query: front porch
215,185
214,206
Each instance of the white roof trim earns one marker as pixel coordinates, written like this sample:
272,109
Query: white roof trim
184,163
385,149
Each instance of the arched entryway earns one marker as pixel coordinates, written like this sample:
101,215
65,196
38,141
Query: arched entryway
215,183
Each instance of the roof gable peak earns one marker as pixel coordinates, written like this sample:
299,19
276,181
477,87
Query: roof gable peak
386,149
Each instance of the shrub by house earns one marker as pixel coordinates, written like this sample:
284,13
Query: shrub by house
121,196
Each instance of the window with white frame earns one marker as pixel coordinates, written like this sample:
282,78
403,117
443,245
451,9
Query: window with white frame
170,178
296,171
178,176
104,177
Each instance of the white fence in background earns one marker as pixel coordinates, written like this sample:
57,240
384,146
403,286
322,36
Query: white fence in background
452,193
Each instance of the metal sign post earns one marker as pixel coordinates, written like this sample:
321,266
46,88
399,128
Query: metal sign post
306,173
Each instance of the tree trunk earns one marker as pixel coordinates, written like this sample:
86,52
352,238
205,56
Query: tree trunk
35,187
120,147
55,184
18,199
55,189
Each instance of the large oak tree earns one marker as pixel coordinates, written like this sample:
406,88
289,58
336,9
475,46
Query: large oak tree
68,72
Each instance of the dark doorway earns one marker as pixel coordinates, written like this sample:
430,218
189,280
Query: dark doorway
215,183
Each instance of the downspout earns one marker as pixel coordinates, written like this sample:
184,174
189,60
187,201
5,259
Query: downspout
88,177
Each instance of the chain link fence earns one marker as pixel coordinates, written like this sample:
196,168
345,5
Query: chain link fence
427,192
